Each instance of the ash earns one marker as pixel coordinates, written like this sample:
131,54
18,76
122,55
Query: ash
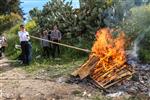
139,83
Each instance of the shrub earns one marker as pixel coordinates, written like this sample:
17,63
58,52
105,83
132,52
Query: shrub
144,52
7,21
136,25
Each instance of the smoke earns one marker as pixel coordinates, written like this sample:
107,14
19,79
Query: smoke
135,49
133,53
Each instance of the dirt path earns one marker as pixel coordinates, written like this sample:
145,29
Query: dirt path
16,84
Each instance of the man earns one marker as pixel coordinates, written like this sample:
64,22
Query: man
56,37
25,45
1,47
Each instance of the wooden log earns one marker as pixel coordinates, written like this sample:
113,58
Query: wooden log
115,76
104,80
109,71
117,81
86,68
102,75
109,80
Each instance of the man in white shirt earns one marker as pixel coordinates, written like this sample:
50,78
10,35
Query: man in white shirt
25,45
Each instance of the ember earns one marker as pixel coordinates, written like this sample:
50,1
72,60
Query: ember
107,62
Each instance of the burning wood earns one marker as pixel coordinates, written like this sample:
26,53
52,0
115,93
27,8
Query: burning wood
107,64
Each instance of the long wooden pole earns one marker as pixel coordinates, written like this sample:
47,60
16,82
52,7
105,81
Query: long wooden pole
65,45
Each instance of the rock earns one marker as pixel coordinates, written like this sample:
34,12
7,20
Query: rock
61,80
132,90
8,96
89,95
22,96
117,94
145,78
135,77
84,93
144,89
38,96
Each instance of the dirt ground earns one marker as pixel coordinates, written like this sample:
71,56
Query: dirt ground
16,84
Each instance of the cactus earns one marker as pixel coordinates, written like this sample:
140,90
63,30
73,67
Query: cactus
84,20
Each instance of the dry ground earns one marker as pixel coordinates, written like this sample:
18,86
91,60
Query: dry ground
16,84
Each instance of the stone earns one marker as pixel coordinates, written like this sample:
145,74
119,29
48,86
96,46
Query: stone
84,93
132,90
117,94
61,80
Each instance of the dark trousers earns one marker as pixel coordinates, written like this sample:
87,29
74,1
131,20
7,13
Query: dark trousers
3,49
26,52
55,49
46,52
0,52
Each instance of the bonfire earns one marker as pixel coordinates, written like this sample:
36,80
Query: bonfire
107,64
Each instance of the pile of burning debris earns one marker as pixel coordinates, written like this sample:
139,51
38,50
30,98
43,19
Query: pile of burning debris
108,66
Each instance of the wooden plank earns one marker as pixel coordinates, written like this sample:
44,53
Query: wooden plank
113,77
117,81
105,82
86,68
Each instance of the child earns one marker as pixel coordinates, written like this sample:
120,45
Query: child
45,44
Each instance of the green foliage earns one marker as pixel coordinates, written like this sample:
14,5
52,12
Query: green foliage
121,7
55,68
8,6
77,25
7,21
12,40
73,22
30,26
10,14
138,24
144,52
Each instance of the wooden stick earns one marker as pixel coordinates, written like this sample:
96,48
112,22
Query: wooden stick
65,45
116,75
86,68
117,81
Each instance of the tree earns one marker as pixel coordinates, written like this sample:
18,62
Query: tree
8,6
10,14
7,21
72,22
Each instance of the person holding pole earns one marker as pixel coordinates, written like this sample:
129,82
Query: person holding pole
45,44
56,37
25,45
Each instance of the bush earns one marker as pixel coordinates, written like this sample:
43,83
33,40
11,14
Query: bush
144,52
12,40
7,21
137,25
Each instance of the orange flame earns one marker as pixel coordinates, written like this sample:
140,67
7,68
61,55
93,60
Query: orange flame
110,50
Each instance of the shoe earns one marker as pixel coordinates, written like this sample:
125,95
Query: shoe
57,58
